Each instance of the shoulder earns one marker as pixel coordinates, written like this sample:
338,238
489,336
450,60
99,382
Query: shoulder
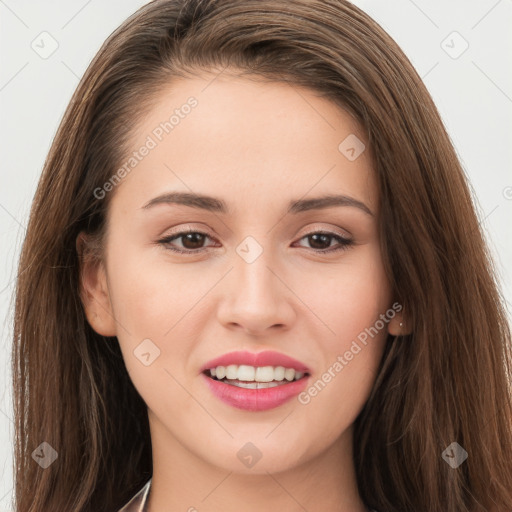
136,504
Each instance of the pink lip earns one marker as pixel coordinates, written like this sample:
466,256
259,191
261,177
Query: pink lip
255,399
265,358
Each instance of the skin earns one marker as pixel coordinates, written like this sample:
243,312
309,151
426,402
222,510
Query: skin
256,145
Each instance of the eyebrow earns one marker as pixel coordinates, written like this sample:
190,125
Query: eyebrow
213,204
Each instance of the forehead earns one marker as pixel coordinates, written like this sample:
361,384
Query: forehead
248,141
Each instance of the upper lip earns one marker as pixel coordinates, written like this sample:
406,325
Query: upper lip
265,358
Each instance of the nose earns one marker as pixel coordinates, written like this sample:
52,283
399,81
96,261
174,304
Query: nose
256,298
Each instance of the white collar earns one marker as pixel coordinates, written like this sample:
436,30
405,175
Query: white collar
138,502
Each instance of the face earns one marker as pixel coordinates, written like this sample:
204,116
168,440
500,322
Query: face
264,265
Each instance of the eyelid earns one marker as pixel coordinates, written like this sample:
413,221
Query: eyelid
181,229
332,229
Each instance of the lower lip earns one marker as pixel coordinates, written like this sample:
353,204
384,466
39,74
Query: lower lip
255,399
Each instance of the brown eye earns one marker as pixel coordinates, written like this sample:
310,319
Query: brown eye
192,241
321,241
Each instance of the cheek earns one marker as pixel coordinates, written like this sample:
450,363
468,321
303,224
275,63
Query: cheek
149,295
154,299
352,301
348,298
150,302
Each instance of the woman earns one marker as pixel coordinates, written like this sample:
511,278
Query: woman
253,277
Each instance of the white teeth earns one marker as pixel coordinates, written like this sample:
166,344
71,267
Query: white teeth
265,374
260,374
279,372
231,371
246,373
289,374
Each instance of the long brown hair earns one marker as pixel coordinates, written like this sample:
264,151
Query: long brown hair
447,381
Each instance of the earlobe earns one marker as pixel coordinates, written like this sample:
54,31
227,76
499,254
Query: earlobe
398,326
93,288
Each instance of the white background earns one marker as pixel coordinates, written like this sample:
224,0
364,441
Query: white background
473,93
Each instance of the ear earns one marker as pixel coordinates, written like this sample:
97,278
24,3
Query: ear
93,289
394,327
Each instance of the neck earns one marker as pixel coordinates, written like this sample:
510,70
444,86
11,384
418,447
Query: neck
183,481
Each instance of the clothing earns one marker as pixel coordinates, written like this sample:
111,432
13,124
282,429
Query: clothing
138,502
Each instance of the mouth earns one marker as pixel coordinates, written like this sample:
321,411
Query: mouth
255,381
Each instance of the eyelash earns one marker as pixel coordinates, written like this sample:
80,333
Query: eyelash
345,243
